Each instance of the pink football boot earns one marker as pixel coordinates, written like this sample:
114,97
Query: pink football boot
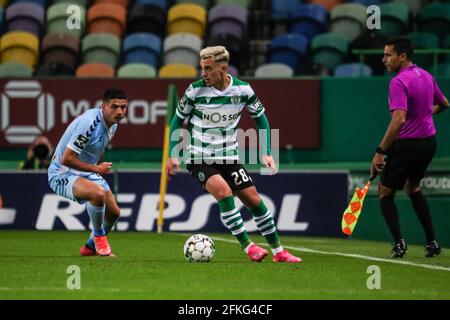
285,256
256,253
102,246
85,251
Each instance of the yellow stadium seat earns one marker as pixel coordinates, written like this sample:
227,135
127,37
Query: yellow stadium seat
187,18
178,71
21,47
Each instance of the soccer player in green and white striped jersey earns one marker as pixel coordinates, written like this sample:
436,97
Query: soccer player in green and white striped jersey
213,107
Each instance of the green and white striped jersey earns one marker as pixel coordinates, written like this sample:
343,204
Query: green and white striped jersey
213,116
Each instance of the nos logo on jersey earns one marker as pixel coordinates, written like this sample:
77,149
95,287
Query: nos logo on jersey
81,142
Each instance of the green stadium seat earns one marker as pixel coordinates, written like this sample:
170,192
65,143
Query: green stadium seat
446,45
435,18
444,70
57,17
136,70
15,70
101,48
329,49
348,20
394,19
413,5
424,40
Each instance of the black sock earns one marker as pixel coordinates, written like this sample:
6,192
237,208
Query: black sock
390,214
420,205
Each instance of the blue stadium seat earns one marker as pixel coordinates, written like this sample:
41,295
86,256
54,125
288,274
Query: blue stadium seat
280,9
308,20
159,3
367,2
1,20
142,48
289,49
353,70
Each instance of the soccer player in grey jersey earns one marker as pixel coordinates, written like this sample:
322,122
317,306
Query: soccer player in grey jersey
77,168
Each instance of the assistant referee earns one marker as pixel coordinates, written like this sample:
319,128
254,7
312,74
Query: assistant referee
409,143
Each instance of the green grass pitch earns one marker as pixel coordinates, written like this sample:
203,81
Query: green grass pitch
33,265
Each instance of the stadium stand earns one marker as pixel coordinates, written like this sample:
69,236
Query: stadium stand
161,32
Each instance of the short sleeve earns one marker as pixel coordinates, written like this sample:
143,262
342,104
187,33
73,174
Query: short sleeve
398,95
438,97
186,103
254,105
82,133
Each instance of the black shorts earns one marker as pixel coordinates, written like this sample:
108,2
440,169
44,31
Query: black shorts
234,174
407,159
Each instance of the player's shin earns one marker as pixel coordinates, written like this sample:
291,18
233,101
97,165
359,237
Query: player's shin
232,219
96,214
266,226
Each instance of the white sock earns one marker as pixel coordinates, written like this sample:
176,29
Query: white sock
277,250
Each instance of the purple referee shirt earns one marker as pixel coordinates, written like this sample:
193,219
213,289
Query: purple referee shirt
415,91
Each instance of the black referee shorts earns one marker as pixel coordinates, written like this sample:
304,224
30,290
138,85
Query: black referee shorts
407,159
234,174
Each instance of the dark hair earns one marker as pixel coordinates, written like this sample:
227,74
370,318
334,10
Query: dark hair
113,93
401,45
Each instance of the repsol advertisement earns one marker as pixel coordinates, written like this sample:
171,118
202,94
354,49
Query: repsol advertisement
29,108
306,203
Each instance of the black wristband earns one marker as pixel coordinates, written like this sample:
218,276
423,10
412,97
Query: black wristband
379,150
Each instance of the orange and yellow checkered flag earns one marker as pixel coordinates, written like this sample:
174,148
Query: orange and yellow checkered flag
351,214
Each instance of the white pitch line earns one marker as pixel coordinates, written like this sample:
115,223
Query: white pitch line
357,256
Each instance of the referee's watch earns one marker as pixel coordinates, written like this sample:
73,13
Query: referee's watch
380,150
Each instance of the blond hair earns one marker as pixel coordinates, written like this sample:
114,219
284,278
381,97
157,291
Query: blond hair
219,54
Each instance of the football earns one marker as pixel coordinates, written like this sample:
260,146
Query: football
199,248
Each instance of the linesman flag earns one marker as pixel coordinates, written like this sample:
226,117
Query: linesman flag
351,214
